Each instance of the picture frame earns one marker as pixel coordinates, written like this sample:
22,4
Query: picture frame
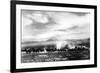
23,60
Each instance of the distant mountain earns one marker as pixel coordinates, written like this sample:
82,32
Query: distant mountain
54,42
70,40
85,40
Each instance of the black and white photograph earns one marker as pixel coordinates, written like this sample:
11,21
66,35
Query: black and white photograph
49,36
54,35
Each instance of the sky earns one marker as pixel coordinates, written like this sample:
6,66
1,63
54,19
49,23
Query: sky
54,25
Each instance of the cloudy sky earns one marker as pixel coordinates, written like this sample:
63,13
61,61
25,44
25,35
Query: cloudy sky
45,25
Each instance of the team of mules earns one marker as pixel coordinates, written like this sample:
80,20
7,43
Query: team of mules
43,49
50,48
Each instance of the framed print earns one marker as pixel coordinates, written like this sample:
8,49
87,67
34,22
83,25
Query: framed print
52,36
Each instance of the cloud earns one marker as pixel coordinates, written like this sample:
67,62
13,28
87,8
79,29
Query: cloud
39,17
44,25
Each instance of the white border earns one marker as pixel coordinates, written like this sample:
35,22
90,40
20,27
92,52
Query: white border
20,65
